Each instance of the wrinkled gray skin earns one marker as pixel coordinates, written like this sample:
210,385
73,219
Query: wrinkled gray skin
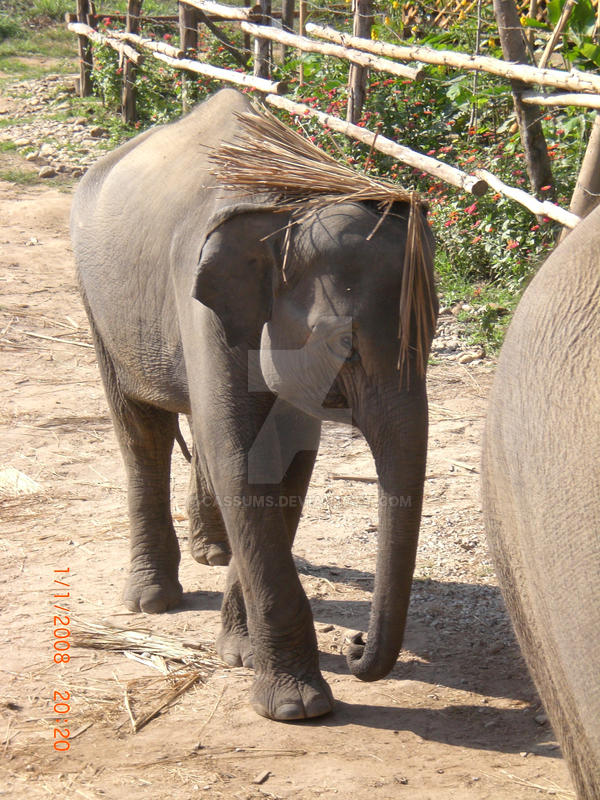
541,491
181,281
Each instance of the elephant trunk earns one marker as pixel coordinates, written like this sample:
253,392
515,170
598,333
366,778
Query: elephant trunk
398,441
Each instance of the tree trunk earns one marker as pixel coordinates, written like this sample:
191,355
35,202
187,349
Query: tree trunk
530,127
357,80
587,189
128,111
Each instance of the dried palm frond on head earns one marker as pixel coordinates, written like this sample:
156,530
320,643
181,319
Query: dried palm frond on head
267,156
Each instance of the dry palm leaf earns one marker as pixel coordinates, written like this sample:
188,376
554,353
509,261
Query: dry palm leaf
267,156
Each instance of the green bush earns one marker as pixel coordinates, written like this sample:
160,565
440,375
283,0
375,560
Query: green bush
10,28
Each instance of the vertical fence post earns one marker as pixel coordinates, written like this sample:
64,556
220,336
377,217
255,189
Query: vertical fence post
188,28
357,80
188,40
287,19
247,42
84,48
301,32
128,111
262,47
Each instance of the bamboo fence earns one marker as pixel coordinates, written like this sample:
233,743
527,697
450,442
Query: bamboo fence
577,88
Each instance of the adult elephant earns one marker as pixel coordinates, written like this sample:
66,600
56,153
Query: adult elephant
185,280
541,491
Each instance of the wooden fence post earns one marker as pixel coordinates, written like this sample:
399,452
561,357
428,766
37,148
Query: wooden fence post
301,32
188,28
287,19
262,47
84,48
188,40
128,110
357,80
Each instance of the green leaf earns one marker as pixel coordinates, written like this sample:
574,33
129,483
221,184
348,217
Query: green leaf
590,51
530,22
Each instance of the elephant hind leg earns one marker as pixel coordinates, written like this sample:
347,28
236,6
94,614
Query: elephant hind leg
145,435
209,543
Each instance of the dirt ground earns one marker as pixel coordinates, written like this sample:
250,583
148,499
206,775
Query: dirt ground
457,718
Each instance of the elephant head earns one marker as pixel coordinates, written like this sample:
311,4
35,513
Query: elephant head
335,301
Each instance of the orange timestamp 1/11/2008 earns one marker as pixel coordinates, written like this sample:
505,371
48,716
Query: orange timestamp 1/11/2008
61,645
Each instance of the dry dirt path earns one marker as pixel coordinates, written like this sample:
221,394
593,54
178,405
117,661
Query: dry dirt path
457,718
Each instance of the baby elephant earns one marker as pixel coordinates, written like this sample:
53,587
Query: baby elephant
258,318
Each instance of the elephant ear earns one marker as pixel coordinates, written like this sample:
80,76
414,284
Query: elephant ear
237,273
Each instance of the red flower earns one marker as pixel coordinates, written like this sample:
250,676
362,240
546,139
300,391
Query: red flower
511,244
471,209
167,37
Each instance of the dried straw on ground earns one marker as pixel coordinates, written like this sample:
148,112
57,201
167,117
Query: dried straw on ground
100,636
269,157
199,660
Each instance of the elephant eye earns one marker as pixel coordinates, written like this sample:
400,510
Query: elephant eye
346,342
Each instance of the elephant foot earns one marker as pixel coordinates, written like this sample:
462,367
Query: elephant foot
235,649
152,596
284,697
214,554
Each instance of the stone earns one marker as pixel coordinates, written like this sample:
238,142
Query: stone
97,132
81,121
22,142
31,157
47,172
46,149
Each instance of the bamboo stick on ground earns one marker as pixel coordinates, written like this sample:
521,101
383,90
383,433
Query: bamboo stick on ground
441,171
123,49
220,74
534,205
574,80
311,46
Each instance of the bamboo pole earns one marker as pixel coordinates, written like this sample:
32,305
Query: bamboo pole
431,166
226,12
220,74
95,36
148,44
311,46
537,207
571,81
580,100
